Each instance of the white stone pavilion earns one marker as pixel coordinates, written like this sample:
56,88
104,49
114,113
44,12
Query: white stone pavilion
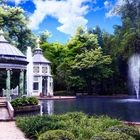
42,78
13,71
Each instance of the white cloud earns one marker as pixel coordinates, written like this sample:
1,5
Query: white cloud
107,4
70,13
118,4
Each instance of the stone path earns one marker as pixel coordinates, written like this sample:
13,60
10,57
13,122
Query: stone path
9,131
4,115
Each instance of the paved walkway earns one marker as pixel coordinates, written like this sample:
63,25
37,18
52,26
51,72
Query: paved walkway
9,131
4,115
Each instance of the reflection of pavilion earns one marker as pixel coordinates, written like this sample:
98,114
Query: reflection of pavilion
47,107
12,68
13,65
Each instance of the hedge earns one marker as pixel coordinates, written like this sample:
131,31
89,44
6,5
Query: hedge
82,126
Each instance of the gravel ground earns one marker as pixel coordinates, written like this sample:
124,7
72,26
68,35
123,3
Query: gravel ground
9,131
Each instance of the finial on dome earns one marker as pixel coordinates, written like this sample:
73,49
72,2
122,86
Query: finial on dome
38,42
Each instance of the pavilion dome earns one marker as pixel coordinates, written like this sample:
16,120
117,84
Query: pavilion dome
38,57
8,51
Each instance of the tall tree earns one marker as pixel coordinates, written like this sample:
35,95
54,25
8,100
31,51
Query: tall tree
55,52
97,31
93,66
14,23
82,50
127,35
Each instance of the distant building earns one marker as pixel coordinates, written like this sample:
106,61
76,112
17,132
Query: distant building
42,78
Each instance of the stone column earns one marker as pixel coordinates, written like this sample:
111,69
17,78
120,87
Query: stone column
40,85
8,84
25,82
51,86
48,86
21,83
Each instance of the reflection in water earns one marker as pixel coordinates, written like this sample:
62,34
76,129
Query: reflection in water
41,109
47,107
127,100
50,107
123,109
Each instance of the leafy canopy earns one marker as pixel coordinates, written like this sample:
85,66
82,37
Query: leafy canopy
14,23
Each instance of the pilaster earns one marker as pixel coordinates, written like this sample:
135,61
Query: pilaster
21,83
8,83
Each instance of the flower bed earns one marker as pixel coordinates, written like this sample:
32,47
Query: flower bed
25,104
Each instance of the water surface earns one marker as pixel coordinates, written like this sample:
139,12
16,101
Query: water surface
122,108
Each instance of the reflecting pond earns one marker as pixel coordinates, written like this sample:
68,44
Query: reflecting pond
121,108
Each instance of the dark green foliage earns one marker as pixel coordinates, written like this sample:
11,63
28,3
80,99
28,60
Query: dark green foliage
101,123
129,130
80,125
112,136
63,93
33,126
24,101
32,100
14,24
57,135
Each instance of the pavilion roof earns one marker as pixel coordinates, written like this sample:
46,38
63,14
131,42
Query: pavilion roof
9,52
39,58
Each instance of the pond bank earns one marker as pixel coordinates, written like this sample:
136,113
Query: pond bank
56,97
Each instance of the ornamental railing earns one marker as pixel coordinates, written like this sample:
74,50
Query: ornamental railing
12,92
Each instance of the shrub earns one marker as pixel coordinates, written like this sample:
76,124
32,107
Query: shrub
112,136
77,117
32,100
24,101
100,124
82,133
63,93
129,130
33,126
57,135
80,125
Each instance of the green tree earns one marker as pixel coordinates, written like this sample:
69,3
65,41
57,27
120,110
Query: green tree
55,52
14,23
82,44
93,66
127,35
44,36
97,31
124,42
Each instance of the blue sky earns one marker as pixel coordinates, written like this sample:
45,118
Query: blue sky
61,17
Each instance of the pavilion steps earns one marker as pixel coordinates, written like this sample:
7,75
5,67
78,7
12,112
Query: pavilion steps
3,104
2,99
4,114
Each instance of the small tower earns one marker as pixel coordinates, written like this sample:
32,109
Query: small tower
42,78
